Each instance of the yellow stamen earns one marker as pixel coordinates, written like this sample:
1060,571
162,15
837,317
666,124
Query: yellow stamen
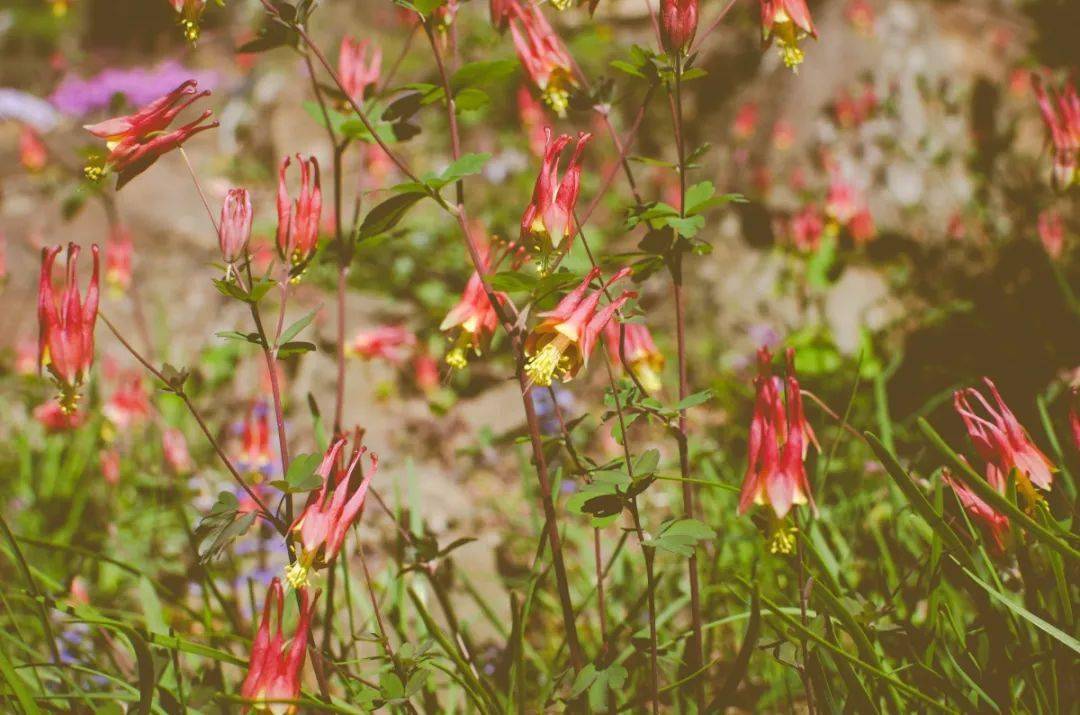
557,98
560,4
296,575
783,540
647,375
457,358
544,365
191,30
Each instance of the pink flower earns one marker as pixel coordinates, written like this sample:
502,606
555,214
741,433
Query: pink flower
387,342
861,227
561,344
54,419
643,357
356,69
66,325
678,24
806,229
995,523
531,115
1001,440
861,16
320,529
109,461
298,224
779,439
234,227
543,56
118,254
255,457
129,404
474,318
548,219
746,121
1061,114
1074,416
788,22
1052,233
273,670
175,448
137,140
783,135
426,372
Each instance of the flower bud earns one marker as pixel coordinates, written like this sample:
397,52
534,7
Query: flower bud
678,24
234,229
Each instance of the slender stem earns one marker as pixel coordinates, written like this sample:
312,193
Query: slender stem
695,644
712,26
804,588
382,625
31,584
198,187
178,390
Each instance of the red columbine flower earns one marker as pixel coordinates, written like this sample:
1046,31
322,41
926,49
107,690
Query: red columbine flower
543,56
642,356
678,24
298,224
320,529
118,253
1061,113
388,342
255,457
996,524
548,219
66,325
32,152
501,11
1052,233
174,447
273,670
780,437
137,140
356,69
806,228
190,12
561,344
1002,441
54,419
474,318
129,404
788,22
234,228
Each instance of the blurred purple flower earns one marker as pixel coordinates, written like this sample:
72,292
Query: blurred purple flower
28,109
545,408
762,335
78,97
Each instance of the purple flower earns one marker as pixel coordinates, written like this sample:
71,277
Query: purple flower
78,97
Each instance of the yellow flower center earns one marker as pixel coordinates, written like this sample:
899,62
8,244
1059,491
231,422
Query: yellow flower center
296,574
647,375
457,358
782,540
548,361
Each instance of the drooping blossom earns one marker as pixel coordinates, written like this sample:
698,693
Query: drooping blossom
137,140
386,342
1051,228
66,325
780,437
500,12
298,222
531,115
861,227
992,521
356,68
319,531
109,461
119,249
806,228
174,447
129,404
255,457
543,56
1061,114
787,22
32,152
678,24
425,372
547,222
1001,440
560,346
53,418
234,227
642,356
274,667
783,135
473,318
190,12
842,202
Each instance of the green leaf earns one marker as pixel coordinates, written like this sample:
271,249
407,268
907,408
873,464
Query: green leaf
698,194
151,606
627,67
681,536
1048,628
296,347
301,476
698,398
293,330
17,685
388,214
466,165
688,226
481,74
513,282
242,337
647,463
471,100
741,665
